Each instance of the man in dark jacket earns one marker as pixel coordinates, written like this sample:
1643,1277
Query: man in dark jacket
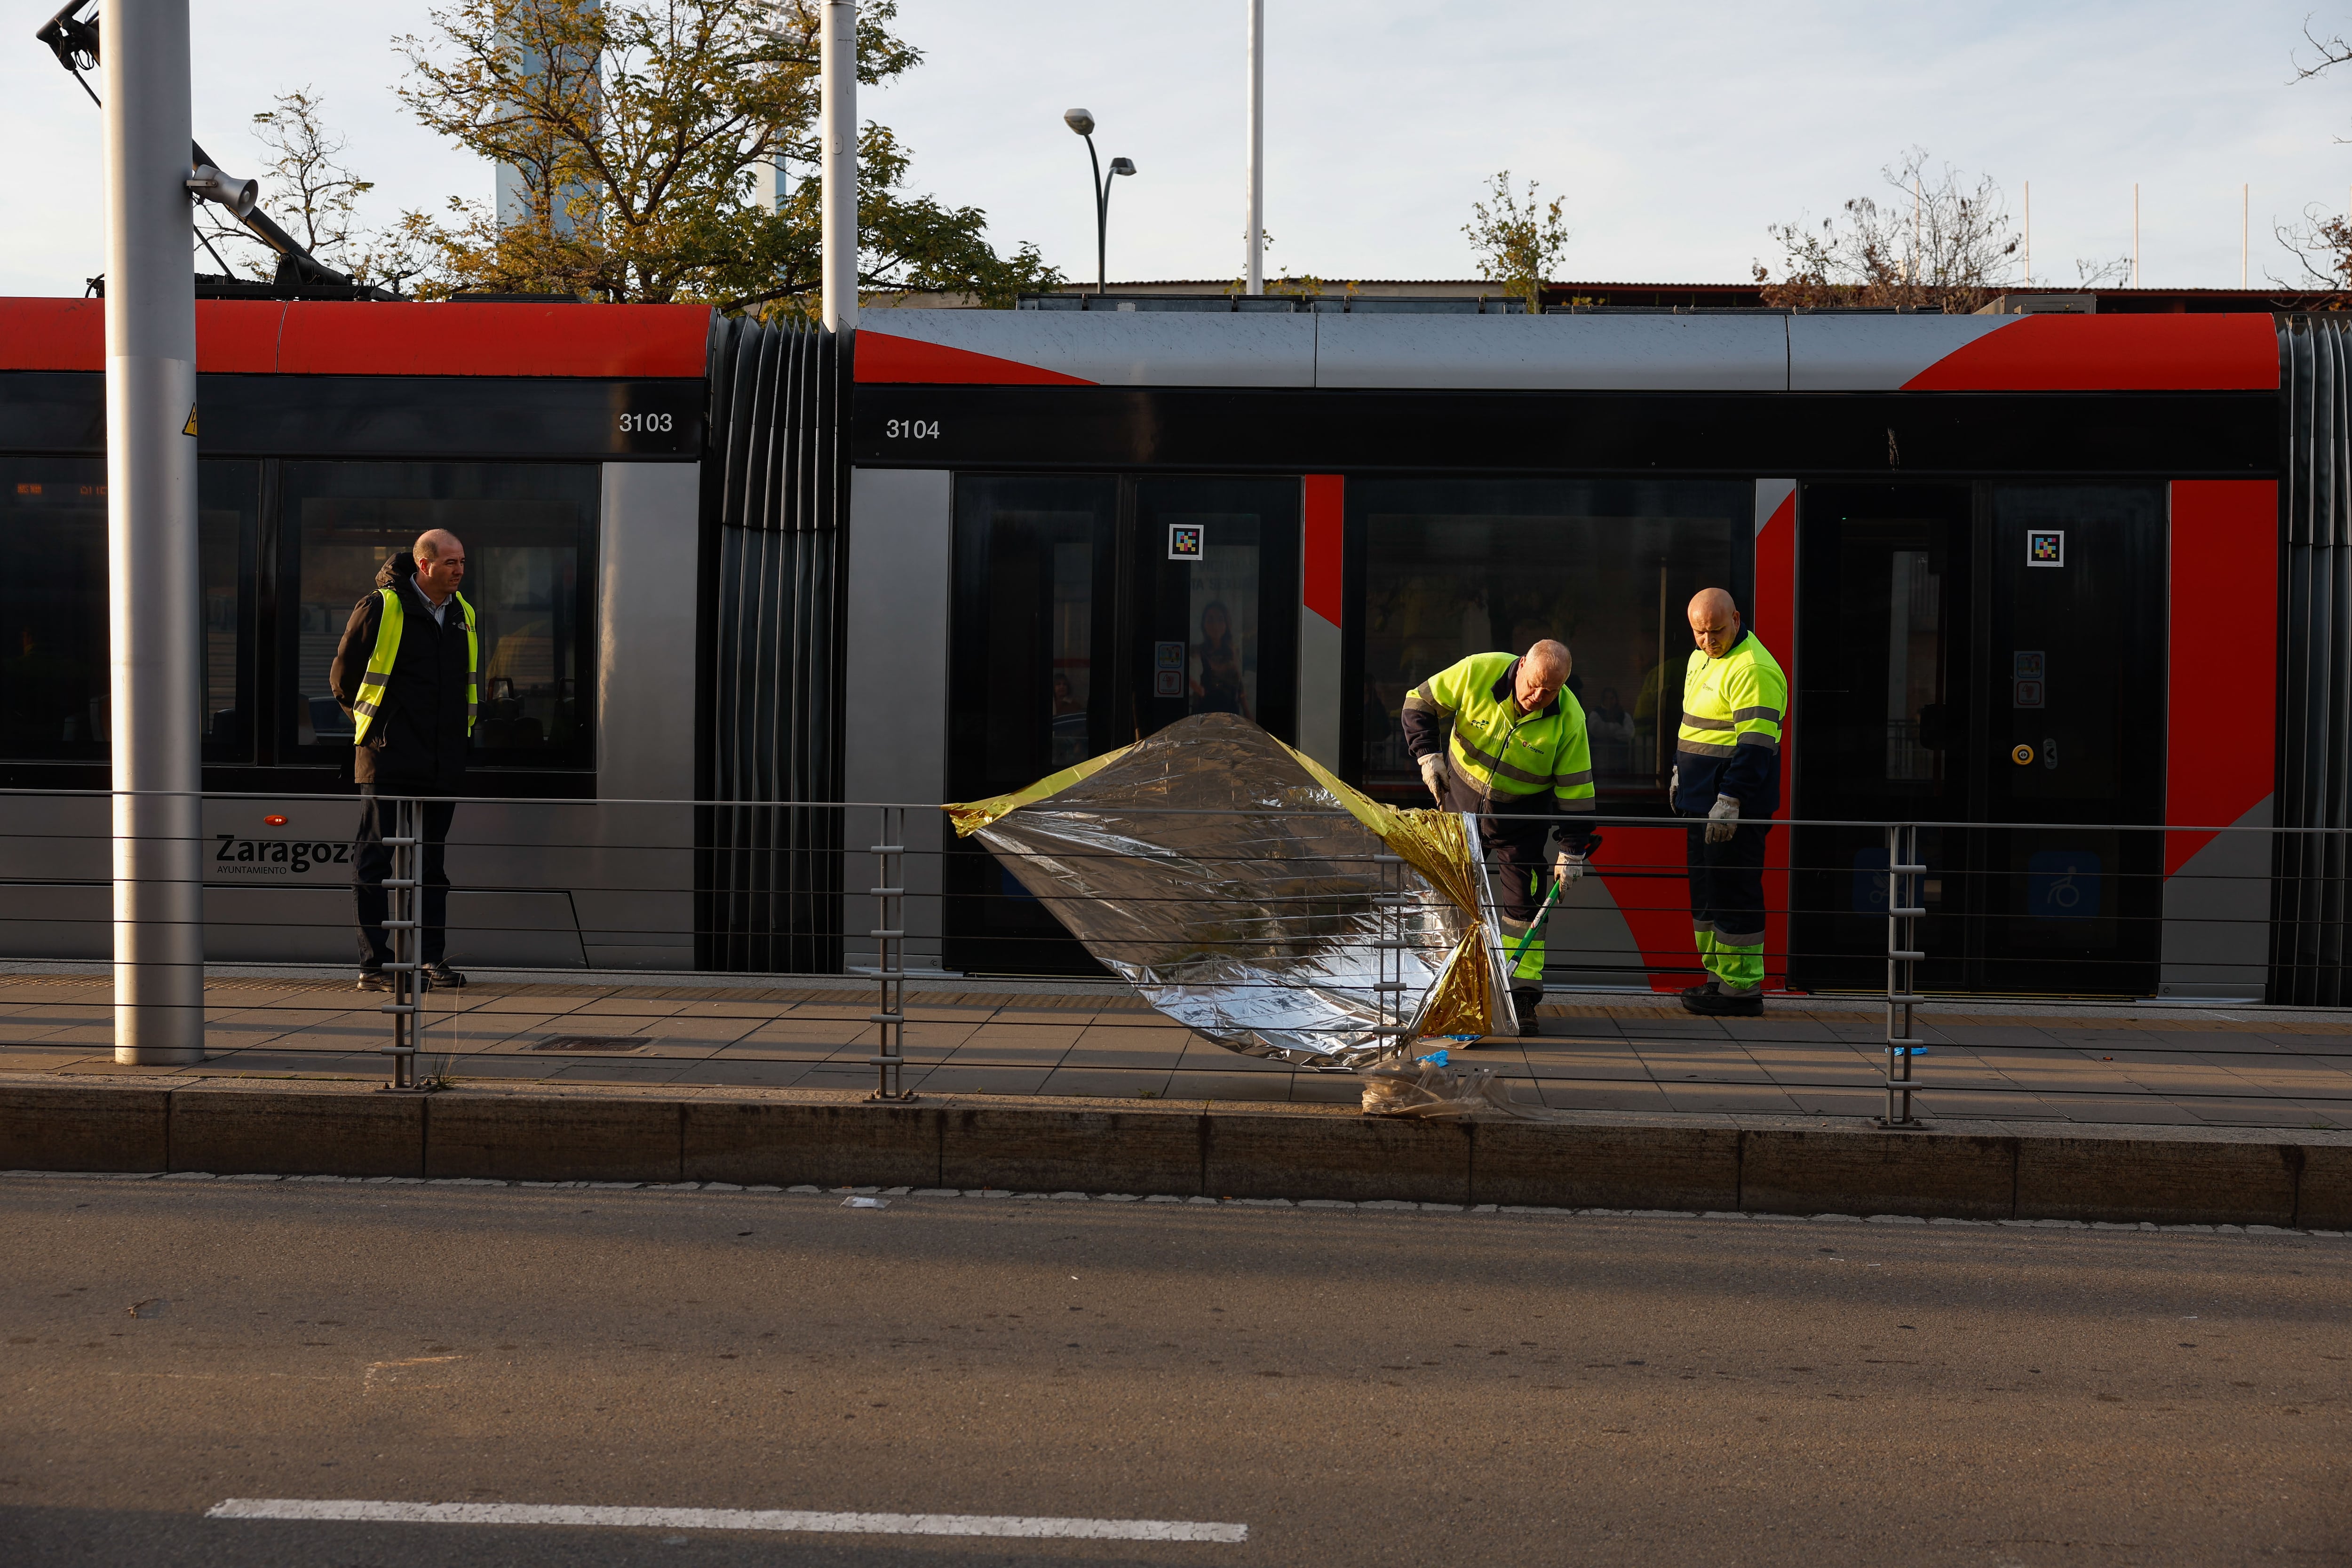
407,672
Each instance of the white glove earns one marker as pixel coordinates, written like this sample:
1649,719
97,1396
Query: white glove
1674,783
1567,867
1723,820
1433,773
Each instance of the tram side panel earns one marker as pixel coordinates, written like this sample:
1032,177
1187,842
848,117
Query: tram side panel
2221,737
632,877
895,694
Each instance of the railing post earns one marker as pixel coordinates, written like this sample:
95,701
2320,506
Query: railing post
890,934
1389,968
401,912
1905,906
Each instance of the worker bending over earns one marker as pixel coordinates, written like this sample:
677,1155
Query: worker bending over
1518,758
1727,770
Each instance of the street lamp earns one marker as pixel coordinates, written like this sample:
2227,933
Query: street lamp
1083,121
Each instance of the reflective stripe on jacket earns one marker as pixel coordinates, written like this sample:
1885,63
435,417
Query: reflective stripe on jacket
387,648
1539,761
1729,742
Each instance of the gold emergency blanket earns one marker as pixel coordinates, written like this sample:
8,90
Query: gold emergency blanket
1236,885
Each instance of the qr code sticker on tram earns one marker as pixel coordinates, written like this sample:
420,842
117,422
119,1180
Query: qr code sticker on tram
1186,541
2045,547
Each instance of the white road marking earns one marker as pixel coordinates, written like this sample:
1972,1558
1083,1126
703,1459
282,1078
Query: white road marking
1001,1525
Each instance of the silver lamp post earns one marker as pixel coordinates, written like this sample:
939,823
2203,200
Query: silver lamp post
1083,121
1254,279
155,647
837,54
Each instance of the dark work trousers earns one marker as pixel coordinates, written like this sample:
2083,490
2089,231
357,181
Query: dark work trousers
1518,872
1727,887
372,863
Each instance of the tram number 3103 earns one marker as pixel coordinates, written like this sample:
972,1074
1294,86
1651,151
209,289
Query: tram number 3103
911,429
647,423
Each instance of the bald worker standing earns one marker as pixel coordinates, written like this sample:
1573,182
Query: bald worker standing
1520,758
408,672
1727,770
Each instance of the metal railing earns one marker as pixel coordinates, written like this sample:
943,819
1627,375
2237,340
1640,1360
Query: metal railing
404,925
623,890
1905,890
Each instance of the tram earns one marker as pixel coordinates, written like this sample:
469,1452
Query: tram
2067,583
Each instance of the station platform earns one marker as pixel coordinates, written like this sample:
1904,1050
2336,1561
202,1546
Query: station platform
1993,1060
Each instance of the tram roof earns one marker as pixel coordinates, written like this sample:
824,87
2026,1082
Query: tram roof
1634,351
304,337
1662,352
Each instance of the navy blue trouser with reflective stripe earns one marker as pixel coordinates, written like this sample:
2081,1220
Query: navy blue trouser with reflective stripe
1727,899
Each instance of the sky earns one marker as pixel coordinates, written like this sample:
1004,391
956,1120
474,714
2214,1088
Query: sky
1677,131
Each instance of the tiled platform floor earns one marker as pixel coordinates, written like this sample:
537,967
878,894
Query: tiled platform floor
1997,1061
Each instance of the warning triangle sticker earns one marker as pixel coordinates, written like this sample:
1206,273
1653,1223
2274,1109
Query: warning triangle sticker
190,428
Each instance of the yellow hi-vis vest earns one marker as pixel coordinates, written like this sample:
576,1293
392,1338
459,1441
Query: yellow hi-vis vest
1505,754
387,648
1729,739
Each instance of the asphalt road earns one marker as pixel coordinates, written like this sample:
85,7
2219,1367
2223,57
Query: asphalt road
1352,1386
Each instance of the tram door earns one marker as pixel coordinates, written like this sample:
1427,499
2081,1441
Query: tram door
1988,656
1090,612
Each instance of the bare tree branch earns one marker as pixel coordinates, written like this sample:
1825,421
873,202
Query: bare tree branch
1937,245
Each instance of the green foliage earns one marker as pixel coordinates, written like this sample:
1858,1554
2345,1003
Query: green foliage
641,130
1518,239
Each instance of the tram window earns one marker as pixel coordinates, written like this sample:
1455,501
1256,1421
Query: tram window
1457,567
1032,570
54,697
528,530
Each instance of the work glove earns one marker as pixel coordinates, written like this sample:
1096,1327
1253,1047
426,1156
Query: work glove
1674,783
1433,773
1567,867
1723,820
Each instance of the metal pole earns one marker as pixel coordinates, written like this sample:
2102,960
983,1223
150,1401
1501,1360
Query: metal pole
837,57
1389,968
155,648
889,1059
1102,219
2135,234
1256,271
403,912
2029,234
1906,904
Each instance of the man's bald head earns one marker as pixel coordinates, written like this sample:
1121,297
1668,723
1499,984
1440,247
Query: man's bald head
1543,671
1714,621
440,563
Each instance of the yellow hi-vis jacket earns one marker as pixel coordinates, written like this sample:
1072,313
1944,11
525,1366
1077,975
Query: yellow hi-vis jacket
1522,764
387,648
1729,742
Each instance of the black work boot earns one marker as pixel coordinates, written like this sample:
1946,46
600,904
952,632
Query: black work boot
1728,1003
1525,1002
373,980
1693,994
439,975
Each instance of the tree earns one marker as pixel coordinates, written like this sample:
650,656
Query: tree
637,130
1518,239
307,189
2321,243
1940,246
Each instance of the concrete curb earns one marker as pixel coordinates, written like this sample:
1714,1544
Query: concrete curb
2165,1175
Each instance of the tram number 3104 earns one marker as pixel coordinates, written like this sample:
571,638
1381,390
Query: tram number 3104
647,423
911,429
